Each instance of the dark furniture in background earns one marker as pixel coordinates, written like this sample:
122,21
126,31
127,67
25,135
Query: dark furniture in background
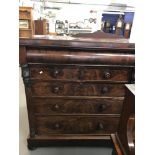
124,138
75,88
41,27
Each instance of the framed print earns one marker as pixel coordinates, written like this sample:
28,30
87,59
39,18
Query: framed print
23,24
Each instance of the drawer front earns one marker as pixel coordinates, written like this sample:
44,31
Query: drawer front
79,73
76,89
65,56
24,14
76,125
77,106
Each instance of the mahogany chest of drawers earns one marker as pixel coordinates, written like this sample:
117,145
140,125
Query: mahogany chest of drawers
74,88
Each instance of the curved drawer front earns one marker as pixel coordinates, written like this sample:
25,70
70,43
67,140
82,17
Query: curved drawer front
72,57
76,89
76,125
49,106
79,73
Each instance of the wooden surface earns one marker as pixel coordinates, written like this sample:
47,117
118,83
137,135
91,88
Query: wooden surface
79,57
78,106
40,27
124,138
25,13
78,43
74,87
69,124
79,73
127,112
117,150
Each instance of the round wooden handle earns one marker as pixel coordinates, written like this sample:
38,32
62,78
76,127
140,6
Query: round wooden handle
81,74
103,107
56,107
57,126
106,75
104,90
55,73
101,126
56,89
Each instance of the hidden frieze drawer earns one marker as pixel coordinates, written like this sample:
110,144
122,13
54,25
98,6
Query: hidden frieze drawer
49,106
76,89
80,57
47,125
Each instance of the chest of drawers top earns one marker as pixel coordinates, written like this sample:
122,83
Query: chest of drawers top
98,44
76,51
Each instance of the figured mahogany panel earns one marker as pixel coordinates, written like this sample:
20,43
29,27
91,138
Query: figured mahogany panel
78,57
76,89
47,125
58,72
49,106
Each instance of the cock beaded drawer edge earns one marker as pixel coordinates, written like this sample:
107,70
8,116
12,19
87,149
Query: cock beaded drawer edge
74,88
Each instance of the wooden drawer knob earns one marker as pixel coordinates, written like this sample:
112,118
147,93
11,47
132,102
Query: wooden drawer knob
103,107
56,107
57,126
56,89
104,90
81,74
56,72
106,75
100,126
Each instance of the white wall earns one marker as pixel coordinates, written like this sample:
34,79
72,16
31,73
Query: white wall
74,12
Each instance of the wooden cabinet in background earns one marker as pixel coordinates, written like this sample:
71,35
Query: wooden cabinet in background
25,22
41,27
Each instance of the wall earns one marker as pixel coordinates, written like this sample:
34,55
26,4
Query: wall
74,12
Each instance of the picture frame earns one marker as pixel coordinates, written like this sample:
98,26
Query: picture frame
23,24
127,26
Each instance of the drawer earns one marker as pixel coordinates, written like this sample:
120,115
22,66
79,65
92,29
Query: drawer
76,89
49,106
46,125
25,14
79,73
68,55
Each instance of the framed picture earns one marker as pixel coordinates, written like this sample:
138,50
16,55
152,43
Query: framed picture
127,26
23,24
119,24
